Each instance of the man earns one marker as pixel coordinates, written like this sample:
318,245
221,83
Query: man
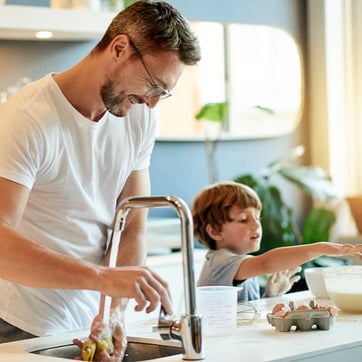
72,145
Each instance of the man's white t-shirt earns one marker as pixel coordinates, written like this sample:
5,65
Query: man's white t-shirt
75,169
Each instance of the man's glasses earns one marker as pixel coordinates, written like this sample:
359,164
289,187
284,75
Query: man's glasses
155,90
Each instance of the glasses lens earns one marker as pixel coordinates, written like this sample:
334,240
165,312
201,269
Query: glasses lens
157,91
165,94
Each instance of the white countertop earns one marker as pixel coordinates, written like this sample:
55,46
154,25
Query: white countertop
256,342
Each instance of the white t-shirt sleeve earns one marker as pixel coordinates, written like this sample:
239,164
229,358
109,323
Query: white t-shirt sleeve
148,125
20,146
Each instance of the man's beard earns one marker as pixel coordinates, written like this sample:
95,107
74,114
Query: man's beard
113,102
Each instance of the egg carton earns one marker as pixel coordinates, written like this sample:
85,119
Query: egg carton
303,320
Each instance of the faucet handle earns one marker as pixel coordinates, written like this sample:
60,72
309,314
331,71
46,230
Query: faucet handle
165,323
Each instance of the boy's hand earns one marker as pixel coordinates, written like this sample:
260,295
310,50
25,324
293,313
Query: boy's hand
281,282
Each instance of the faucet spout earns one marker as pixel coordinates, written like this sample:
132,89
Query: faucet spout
188,330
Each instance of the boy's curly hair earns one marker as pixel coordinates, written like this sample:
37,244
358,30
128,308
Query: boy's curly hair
212,206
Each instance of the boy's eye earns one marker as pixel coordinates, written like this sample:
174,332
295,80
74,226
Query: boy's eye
243,221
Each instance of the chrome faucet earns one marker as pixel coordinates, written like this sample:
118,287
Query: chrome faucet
188,329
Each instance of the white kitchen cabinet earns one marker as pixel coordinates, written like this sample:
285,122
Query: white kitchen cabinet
22,22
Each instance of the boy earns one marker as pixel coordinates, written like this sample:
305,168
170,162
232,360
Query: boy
226,219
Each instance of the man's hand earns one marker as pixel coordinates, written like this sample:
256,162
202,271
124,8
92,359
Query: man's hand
141,283
280,282
101,345
117,325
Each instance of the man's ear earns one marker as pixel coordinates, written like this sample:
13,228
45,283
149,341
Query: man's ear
120,44
213,233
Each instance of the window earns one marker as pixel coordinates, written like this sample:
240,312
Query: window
256,69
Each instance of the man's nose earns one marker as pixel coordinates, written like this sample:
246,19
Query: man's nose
152,101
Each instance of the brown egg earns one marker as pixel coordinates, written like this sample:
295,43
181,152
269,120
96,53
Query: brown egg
280,307
332,311
303,307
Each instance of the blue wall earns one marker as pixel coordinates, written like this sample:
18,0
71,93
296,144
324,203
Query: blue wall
179,168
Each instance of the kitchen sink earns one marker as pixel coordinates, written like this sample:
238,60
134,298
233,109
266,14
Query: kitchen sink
138,349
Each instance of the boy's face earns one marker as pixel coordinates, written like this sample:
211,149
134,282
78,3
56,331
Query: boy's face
243,234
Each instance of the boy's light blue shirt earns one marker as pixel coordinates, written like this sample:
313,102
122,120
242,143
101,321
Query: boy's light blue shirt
220,267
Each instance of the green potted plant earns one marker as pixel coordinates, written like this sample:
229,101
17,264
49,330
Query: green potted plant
214,116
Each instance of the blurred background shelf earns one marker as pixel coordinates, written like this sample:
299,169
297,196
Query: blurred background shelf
19,22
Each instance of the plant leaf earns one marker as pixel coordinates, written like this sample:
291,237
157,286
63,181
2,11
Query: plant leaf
215,112
317,225
312,179
265,109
